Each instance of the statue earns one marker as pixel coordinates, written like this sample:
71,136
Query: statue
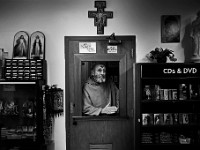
195,34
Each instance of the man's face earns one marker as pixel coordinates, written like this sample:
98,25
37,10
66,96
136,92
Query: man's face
100,73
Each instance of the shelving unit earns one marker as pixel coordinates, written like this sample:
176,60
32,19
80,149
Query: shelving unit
21,115
168,112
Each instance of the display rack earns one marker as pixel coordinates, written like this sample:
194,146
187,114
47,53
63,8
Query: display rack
21,115
24,69
168,112
21,104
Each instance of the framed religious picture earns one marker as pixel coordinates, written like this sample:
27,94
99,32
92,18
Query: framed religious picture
37,47
21,45
170,28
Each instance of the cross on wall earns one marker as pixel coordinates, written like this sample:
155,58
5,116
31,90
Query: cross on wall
100,16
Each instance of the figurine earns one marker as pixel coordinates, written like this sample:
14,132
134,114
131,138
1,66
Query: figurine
28,109
195,34
10,108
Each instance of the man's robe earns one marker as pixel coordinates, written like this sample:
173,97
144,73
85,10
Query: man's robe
97,96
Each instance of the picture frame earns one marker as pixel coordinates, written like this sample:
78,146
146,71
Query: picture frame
37,45
170,28
21,45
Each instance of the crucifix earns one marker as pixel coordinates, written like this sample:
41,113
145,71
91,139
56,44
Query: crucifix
100,16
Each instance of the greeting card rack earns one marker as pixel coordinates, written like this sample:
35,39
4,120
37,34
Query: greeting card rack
168,102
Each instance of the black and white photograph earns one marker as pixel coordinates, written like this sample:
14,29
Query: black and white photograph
99,74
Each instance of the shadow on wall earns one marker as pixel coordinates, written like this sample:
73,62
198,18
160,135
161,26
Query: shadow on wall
187,43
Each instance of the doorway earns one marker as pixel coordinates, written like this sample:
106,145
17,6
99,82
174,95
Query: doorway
113,132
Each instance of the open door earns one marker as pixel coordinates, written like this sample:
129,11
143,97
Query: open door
109,132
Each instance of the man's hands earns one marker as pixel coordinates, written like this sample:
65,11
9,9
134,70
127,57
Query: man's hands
109,110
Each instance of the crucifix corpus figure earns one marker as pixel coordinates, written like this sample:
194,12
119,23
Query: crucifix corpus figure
100,16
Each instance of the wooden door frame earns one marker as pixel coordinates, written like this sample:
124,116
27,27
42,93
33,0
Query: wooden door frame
69,67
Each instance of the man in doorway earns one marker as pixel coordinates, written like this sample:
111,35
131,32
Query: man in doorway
100,96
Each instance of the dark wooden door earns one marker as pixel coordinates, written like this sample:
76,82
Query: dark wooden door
100,132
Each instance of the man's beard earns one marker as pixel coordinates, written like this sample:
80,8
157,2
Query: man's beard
99,78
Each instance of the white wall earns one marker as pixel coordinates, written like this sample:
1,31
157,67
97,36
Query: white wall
59,18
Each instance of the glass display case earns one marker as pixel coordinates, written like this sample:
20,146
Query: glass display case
21,115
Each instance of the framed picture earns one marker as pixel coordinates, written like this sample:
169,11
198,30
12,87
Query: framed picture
37,50
21,45
170,28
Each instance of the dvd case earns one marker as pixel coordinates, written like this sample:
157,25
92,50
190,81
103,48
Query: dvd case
147,119
158,119
168,120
